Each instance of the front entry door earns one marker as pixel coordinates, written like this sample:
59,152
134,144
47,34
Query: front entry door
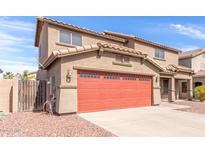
165,88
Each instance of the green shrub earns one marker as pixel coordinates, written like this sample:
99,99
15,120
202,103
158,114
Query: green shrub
200,92
2,115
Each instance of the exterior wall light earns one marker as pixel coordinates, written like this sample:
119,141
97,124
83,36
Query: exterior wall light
157,78
68,76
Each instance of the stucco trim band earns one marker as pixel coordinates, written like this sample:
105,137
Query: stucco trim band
108,70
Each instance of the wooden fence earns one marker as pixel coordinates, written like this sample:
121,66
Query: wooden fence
32,95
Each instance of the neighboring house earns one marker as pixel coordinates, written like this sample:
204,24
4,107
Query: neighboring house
92,71
195,59
32,76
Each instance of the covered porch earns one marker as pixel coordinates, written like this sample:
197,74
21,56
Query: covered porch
175,85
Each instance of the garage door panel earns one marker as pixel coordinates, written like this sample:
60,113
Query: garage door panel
105,91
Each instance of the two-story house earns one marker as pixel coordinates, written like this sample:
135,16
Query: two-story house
195,59
92,71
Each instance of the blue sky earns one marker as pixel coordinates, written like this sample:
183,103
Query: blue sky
17,51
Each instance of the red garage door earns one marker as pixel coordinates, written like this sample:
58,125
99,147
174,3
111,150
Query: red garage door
99,91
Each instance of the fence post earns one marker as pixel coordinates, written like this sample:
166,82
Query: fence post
15,95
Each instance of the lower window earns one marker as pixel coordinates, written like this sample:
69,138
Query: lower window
184,87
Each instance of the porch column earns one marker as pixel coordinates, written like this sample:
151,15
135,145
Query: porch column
156,98
190,89
172,90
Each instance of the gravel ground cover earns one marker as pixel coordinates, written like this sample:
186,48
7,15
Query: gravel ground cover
31,124
195,106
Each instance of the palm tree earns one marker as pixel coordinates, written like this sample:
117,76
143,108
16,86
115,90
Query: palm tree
8,75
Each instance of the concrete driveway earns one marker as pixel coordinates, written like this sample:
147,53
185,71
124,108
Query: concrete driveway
161,120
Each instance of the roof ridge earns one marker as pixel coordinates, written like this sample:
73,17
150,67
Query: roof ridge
173,67
65,23
141,39
193,50
191,53
74,27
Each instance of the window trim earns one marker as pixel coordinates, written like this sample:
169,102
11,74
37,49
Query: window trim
71,39
186,87
59,38
161,50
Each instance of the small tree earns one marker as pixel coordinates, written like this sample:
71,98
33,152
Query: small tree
200,92
25,75
8,75
18,76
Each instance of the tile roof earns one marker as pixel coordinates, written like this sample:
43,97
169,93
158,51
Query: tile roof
177,68
111,48
121,48
200,73
191,53
141,40
104,46
41,20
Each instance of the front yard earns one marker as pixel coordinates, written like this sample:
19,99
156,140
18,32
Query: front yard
42,124
156,121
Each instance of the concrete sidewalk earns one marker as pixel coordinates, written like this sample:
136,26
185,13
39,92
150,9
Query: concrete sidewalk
161,120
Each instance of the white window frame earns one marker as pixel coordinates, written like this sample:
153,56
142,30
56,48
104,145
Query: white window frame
59,39
71,38
159,51
186,88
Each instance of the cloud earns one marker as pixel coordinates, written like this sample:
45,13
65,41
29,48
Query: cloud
16,66
191,31
16,24
13,43
17,51
188,47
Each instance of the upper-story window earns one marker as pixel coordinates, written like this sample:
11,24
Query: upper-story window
70,38
159,53
76,39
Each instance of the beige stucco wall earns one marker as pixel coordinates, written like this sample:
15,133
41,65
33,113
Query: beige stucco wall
68,91
8,95
183,75
198,62
171,57
54,70
54,44
199,79
43,43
